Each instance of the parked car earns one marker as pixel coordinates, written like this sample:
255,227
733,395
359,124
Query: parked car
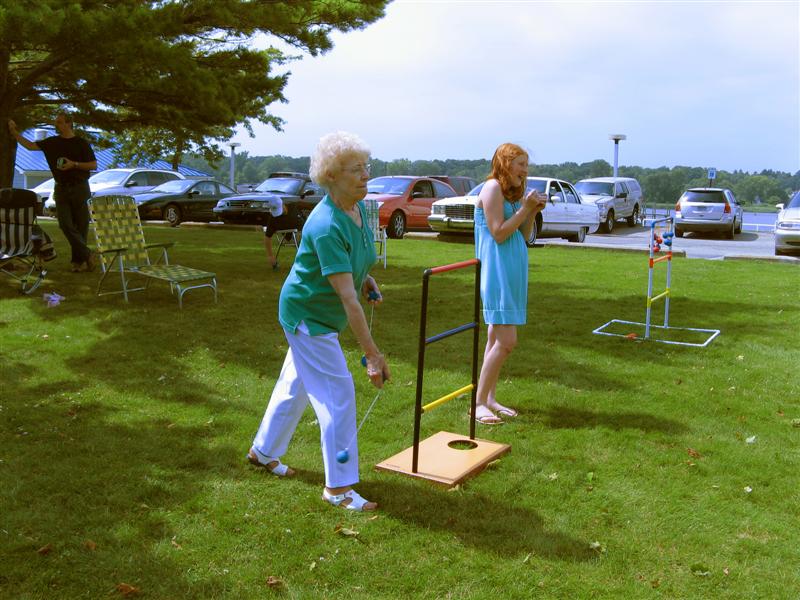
615,197
708,210
253,207
182,200
461,184
787,227
43,191
404,201
123,181
565,215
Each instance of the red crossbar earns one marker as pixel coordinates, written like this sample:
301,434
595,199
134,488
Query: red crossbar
454,266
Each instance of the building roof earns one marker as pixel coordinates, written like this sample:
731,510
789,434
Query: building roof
31,161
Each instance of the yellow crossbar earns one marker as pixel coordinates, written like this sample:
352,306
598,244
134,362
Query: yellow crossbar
654,298
449,396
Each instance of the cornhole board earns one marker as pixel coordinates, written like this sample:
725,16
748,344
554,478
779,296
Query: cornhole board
442,461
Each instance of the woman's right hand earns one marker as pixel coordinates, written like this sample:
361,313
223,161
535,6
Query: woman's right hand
377,370
534,201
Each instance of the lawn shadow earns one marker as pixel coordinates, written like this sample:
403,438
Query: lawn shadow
488,524
566,417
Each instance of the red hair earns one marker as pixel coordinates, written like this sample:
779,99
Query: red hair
501,170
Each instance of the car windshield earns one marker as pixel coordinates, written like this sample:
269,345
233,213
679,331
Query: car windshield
46,185
536,184
280,185
110,176
533,184
476,190
597,188
388,185
707,196
794,202
176,185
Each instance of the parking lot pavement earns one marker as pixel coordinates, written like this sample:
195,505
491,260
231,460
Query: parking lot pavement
693,245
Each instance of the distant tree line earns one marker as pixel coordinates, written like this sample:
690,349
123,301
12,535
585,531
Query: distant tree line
661,186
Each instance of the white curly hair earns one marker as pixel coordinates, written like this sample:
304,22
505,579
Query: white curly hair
332,151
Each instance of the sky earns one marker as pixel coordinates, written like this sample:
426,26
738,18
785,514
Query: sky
698,83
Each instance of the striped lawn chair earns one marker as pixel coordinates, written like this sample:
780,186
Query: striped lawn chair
122,249
24,247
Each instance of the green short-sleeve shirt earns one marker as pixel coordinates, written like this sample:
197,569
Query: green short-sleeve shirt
331,243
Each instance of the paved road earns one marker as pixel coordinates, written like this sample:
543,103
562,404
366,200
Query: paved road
747,244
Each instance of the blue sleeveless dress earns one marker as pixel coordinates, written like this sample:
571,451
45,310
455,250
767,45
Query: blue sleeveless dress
504,272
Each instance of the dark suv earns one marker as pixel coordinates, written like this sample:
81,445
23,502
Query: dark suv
253,207
461,184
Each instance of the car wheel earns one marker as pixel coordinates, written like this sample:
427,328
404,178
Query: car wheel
397,225
731,232
172,214
634,218
739,228
608,226
534,234
678,232
579,237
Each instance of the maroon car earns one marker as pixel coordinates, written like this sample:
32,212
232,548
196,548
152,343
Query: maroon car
404,201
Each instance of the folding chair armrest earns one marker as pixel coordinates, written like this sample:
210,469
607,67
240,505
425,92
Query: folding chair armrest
160,245
113,250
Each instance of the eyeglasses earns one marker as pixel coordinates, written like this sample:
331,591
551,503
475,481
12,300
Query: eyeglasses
358,169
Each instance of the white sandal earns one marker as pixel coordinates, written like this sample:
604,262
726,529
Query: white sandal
281,470
357,501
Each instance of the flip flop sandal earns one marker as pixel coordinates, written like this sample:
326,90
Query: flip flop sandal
357,502
281,470
488,419
507,412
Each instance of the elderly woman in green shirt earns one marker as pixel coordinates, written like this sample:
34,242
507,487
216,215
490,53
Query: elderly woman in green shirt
319,298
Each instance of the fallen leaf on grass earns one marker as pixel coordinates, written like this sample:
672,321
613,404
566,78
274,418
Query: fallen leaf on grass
45,550
751,440
726,571
175,544
700,570
597,547
275,583
90,545
693,453
740,357
526,559
345,531
127,589
552,476
795,422
312,566
748,489
655,583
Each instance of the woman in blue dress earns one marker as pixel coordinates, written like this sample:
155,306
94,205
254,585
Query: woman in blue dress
504,219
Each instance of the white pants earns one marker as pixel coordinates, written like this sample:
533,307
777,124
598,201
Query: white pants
315,372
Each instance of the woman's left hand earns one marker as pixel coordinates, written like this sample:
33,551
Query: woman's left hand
371,291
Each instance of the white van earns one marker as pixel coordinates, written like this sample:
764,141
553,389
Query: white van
615,198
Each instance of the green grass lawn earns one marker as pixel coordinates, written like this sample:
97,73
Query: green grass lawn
637,469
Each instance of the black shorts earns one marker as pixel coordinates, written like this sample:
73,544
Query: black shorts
290,219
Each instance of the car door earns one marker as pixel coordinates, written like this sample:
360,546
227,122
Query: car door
310,195
420,198
554,217
138,181
572,207
582,214
201,199
738,211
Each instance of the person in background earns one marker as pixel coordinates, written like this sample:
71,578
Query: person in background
504,219
70,159
289,218
319,299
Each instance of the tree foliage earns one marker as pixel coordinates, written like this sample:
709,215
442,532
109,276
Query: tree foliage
661,185
179,72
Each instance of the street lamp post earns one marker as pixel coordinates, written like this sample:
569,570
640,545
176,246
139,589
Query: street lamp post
616,137
233,146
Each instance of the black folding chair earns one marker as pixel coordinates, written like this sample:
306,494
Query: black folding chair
24,247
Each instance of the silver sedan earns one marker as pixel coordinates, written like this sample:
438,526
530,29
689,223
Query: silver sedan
565,215
787,227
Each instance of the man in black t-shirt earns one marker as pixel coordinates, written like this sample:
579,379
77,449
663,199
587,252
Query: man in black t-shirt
70,159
